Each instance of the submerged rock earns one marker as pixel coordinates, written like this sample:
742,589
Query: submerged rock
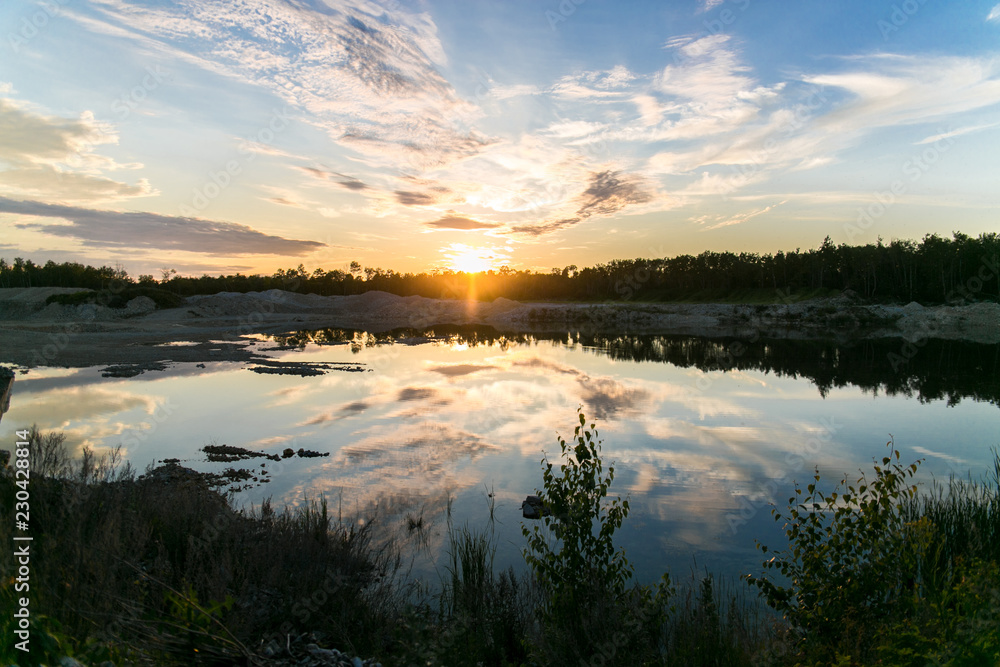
533,508
131,370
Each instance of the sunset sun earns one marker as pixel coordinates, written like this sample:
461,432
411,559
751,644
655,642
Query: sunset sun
470,259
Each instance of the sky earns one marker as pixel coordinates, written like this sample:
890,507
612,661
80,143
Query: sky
251,135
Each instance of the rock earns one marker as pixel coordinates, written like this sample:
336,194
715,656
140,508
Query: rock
131,370
288,453
140,305
532,508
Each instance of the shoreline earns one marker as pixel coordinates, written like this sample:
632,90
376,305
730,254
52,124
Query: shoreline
219,326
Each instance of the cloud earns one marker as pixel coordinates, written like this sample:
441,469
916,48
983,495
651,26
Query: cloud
114,229
54,158
543,228
284,201
955,133
516,90
416,393
427,448
454,370
595,85
610,192
348,182
994,14
739,218
459,222
905,90
408,198
607,193
573,129
607,398
707,72
345,411
369,77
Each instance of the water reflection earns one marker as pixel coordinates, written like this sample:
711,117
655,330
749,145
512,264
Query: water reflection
930,369
704,433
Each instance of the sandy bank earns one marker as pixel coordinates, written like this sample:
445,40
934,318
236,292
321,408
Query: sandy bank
35,334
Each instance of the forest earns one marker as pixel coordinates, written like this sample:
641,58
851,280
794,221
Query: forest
932,271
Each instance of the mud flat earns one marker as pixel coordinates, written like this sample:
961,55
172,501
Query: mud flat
217,327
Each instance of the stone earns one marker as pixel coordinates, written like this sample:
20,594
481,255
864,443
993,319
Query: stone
533,508
140,305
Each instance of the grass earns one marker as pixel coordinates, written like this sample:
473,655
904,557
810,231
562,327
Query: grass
160,569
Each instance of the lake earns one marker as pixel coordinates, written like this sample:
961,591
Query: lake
703,433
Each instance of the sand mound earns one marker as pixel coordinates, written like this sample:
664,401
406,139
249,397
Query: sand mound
18,303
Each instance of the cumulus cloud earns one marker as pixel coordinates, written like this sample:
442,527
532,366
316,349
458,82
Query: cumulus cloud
115,229
53,157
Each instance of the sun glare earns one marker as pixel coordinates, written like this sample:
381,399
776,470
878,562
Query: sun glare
460,257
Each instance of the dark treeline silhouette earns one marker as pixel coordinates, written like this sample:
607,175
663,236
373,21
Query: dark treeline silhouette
934,270
949,370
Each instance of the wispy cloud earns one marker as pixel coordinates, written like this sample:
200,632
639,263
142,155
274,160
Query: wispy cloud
607,193
409,198
348,182
460,222
955,133
610,192
367,76
994,14
719,221
113,229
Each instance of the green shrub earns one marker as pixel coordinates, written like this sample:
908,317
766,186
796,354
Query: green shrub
587,605
850,557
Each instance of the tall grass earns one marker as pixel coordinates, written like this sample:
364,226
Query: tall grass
965,513
160,569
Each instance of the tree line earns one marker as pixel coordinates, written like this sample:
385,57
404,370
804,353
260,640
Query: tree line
933,270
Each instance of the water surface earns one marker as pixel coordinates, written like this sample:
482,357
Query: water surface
703,433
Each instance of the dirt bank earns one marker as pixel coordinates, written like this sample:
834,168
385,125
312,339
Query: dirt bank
33,333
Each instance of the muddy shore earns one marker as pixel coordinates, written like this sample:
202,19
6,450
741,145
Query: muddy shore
217,327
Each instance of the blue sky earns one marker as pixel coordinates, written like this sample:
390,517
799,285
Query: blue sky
257,134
